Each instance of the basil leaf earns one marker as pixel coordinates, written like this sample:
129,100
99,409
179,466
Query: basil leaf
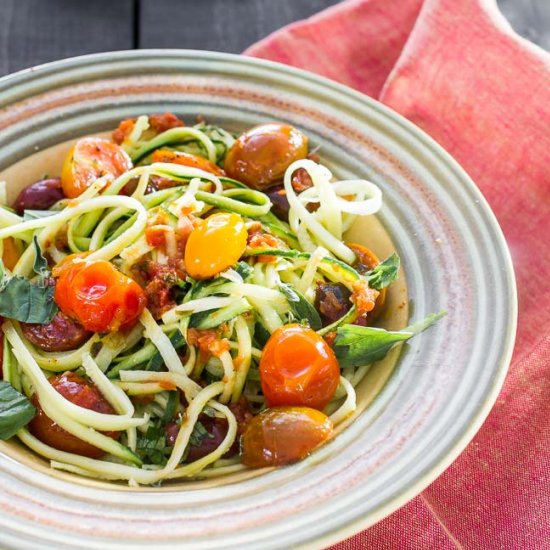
40,266
300,307
173,398
356,346
27,302
151,445
244,270
384,274
16,410
199,433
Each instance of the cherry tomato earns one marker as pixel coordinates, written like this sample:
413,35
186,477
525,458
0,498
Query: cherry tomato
157,125
187,159
12,252
367,260
97,295
88,160
298,368
82,393
214,245
283,435
261,156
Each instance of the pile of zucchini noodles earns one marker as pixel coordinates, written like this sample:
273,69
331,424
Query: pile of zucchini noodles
245,299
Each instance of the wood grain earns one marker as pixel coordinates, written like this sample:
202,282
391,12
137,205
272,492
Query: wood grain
37,31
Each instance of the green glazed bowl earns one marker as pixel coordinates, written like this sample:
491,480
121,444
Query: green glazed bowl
422,411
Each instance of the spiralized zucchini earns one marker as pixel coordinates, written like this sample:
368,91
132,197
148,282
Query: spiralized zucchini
158,372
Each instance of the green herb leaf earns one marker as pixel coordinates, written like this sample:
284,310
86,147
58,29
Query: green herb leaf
156,362
356,346
385,273
40,266
16,410
300,307
173,398
261,335
244,270
198,434
151,445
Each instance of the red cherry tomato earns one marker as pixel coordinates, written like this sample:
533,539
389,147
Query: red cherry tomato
214,245
283,435
298,368
187,159
88,160
97,295
82,393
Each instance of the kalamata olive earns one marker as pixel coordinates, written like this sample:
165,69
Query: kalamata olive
261,155
82,393
61,334
332,301
280,206
39,196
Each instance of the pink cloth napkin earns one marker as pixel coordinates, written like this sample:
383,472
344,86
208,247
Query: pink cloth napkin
457,70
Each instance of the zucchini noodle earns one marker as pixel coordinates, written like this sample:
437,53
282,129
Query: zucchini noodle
175,379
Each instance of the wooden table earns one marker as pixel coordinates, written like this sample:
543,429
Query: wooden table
36,31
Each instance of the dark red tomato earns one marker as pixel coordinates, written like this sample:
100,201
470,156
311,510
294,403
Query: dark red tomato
367,260
61,334
82,393
39,196
283,435
101,298
332,301
298,368
261,155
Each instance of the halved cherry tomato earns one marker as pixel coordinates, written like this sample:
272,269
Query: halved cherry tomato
367,260
214,245
261,155
187,159
283,435
82,393
298,368
12,252
88,160
97,295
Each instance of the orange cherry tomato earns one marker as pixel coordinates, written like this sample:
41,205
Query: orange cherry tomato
367,260
187,159
298,368
261,155
12,252
283,435
215,244
98,296
88,160
81,392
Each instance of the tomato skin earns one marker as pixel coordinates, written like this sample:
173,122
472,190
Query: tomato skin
88,160
215,244
187,159
81,393
261,155
298,368
12,252
367,260
97,295
283,435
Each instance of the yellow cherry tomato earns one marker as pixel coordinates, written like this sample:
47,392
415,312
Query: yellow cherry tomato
12,252
214,245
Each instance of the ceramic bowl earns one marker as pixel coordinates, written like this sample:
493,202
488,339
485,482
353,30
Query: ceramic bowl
422,409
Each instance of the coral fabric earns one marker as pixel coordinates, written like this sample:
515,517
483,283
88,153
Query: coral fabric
457,70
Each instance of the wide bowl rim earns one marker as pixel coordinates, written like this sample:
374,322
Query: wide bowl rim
11,85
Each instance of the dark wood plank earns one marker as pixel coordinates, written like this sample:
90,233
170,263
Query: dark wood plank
530,18
222,25
37,31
